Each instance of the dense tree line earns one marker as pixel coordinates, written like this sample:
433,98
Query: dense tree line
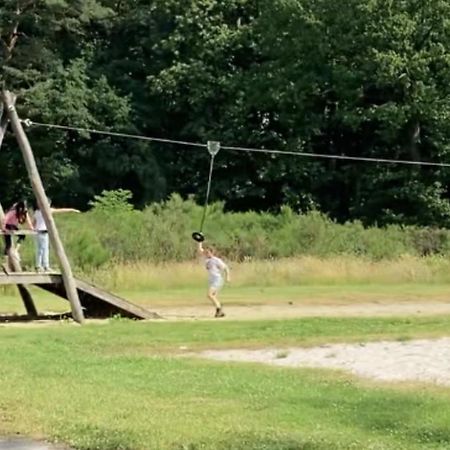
361,77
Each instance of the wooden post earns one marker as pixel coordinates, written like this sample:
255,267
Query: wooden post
39,192
3,127
13,261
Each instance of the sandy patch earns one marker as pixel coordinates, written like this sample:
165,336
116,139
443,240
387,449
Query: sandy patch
418,360
298,310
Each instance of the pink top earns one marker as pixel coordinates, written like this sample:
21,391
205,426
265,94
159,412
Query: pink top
11,218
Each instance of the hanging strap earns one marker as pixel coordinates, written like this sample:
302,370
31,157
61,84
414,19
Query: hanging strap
208,191
213,148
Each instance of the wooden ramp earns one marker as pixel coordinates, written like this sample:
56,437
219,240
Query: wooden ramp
95,302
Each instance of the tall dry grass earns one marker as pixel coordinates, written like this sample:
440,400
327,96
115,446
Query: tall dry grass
308,270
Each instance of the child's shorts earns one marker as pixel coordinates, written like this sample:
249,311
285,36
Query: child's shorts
215,282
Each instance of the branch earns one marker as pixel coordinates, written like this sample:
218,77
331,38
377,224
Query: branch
14,36
4,44
27,5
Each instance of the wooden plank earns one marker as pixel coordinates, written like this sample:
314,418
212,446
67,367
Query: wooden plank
95,301
101,304
3,127
4,121
27,299
14,266
27,278
44,206
114,300
18,233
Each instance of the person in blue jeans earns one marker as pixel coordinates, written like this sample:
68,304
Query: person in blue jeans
42,240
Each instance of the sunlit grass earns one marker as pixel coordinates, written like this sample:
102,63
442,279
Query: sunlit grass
276,273
124,386
308,280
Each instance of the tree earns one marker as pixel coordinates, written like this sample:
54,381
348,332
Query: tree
48,58
364,78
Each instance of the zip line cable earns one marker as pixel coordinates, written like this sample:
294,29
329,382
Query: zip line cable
341,157
213,148
29,123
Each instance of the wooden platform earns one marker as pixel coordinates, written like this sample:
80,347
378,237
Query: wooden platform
27,278
96,302
18,232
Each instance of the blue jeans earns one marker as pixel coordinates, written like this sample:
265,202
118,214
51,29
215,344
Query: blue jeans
42,251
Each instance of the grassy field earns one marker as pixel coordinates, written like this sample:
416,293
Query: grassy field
300,271
308,280
124,386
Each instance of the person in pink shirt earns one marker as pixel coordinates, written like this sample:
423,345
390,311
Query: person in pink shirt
17,215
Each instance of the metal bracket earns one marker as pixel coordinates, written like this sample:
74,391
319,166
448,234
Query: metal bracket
213,147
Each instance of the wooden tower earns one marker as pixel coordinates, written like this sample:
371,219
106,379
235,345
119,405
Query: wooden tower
84,298
9,115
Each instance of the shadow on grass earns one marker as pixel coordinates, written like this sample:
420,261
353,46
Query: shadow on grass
11,318
406,419
254,442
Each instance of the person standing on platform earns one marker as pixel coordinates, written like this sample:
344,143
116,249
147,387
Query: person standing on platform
42,240
17,215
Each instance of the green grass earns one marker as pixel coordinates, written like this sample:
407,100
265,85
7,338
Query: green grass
318,294
252,295
124,386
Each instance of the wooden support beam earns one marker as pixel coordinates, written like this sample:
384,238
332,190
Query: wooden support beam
13,261
3,127
27,278
18,233
39,192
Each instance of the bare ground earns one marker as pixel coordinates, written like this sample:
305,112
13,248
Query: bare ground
274,311
291,311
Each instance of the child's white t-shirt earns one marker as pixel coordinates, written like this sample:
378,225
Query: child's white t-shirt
215,266
40,222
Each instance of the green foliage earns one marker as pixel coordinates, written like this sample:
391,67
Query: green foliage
87,250
84,242
114,231
113,201
362,78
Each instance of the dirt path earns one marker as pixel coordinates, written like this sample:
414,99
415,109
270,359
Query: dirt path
277,312
288,311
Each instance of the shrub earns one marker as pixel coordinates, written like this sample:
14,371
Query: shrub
113,231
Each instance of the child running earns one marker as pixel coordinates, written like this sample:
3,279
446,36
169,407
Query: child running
216,269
